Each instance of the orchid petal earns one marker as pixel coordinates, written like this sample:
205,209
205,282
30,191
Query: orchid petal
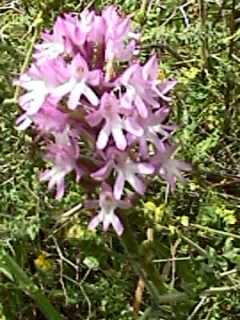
95,221
119,185
117,225
136,183
119,137
133,127
103,136
90,95
75,95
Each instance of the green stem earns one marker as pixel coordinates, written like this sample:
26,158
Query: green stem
204,32
28,286
215,290
193,244
37,26
144,5
142,266
215,231
146,269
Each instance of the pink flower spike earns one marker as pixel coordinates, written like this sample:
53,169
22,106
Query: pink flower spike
87,88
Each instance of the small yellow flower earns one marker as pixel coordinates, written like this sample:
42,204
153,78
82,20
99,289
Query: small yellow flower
191,73
43,263
75,232
161,75
154,211
149,206
227,215
79,232
188,75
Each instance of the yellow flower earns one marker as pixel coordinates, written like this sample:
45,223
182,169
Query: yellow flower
161,75
155,212
75,232
191,73
78,232
149,206
188,75
227,215
43,263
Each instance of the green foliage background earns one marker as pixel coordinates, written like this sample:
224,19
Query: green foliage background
89,276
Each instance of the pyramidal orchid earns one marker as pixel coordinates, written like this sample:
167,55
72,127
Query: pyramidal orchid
86,88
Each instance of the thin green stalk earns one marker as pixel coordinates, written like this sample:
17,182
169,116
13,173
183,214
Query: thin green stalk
229,88
193,244
37,23
204,32
215,231
232,29
144,5
26,284
216,290
37,26
146,269
142,13
141,266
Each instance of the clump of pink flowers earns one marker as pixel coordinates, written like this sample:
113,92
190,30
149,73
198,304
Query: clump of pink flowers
100,112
